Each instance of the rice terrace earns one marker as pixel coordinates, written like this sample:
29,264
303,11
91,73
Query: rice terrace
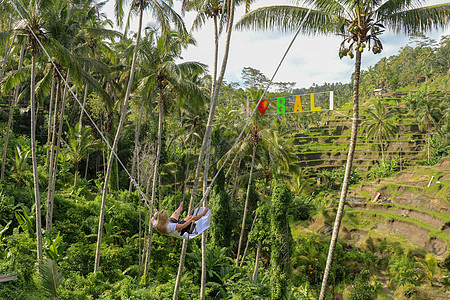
224,149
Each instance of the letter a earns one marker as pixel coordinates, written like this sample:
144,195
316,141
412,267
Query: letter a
281,105
298,104
313,108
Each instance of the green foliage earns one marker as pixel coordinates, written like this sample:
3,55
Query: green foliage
429,266
262,225
21,256
281,240
54,247
25,222
51,277
221,223
384,170
300,208
218,265
361,288
333,179
403,270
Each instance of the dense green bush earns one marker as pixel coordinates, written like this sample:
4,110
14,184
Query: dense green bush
281,240
361,288
221,223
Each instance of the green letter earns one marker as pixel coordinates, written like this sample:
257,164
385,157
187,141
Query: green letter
281,105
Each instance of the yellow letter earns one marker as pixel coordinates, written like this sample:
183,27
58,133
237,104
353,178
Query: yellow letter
313,108
298,104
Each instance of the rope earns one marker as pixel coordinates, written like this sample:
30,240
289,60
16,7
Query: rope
133,181
208,189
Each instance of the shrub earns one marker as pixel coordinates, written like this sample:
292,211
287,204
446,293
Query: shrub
281,241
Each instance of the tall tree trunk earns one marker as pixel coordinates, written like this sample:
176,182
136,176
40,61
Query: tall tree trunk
10,116
114,147
207,155
187,170
248,242
246,204
155,179
50,122
206,140
84,100
54,166
348,168
135,152
255,271
34,159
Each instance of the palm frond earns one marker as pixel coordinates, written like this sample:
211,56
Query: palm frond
417,19
51,277
14,78
287,18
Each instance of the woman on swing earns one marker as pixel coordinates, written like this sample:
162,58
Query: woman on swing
174,226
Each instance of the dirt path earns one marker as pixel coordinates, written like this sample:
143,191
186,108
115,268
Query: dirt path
384,283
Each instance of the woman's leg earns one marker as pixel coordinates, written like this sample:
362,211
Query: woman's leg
176,214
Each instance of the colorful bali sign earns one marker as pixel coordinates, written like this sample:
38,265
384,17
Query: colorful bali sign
293,104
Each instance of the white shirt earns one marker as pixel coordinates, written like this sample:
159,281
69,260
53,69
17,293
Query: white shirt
171,229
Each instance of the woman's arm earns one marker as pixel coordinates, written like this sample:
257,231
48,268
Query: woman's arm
153,218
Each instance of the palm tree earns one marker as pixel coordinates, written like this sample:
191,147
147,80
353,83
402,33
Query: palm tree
166,80
425,112
360,23
378,123
33,30
79,144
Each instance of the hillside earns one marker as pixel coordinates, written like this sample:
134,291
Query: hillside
325,146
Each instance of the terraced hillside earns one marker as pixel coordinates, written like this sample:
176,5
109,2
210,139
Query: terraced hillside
412,208
326,145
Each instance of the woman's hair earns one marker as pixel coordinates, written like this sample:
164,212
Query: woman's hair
163,221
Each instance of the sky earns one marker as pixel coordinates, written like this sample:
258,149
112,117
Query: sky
310,60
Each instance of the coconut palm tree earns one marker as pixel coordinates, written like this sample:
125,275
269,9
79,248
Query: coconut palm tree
359,23
166,80
34,14
379,123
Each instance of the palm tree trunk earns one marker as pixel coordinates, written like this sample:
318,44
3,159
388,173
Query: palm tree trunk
428,146
208,150
155,180
10,116
255,272
54,166
76,177
348,168
50,122
114,147
248,242
246,205
84,101
135,152
187,170
34,159
206,140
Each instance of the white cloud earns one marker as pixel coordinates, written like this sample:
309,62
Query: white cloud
310,60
